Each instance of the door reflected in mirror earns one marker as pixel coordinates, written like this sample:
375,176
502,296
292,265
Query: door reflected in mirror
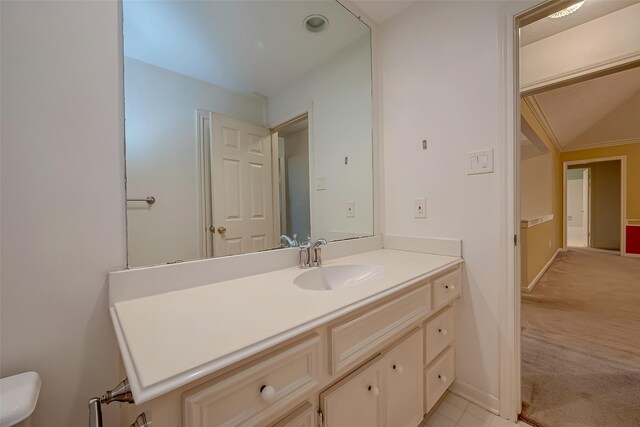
250,136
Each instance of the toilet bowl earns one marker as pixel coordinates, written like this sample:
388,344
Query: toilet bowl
18,398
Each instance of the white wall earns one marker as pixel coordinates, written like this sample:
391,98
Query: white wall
536,186
441,68
340,90
162,157
296,149
62,192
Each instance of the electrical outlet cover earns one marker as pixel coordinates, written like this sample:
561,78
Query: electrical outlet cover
420,208
351,209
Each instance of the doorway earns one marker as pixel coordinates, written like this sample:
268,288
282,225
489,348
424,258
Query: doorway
578,207
594,204
512,370
293,160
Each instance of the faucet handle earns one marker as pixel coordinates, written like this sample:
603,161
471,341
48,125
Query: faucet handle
306,244
319,242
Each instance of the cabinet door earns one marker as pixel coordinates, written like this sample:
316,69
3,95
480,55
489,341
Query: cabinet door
403,366
357,400
303,416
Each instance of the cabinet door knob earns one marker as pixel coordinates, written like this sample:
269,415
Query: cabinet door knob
222,230
442,378
398,368
268,393
443,332
375,390
212,229
449,287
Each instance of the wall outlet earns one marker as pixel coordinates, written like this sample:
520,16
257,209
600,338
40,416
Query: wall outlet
321,183
420,208
351,209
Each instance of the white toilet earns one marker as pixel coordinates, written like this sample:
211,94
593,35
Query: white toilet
18,398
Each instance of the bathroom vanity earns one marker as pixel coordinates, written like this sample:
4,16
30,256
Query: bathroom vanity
263,350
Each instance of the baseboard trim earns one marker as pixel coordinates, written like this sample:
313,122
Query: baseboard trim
476,396
536,279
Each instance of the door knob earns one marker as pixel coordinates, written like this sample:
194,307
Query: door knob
222,230
212,229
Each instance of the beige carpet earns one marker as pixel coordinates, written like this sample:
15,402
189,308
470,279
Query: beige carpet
581,343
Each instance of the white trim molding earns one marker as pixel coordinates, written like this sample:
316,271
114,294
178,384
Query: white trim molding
528,223
476,396
544,269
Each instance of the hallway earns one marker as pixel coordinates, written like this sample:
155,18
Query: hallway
581,342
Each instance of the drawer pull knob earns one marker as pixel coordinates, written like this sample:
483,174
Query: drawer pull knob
452,287
444,332
442,378
398,368
268,393
375,390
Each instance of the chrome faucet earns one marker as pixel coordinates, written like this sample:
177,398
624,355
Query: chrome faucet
310,253
288,242
304,255
317,253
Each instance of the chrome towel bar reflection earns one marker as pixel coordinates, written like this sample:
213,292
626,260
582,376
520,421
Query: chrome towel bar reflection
150,200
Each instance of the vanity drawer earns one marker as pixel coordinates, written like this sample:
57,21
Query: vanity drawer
438,377
446,289
257,394
438,334
355,341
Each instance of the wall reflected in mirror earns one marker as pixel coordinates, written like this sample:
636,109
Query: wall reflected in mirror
246,121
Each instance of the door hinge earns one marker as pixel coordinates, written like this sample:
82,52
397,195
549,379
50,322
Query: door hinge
515,240
320,419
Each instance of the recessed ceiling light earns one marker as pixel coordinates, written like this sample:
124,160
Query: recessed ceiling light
567,11
316,23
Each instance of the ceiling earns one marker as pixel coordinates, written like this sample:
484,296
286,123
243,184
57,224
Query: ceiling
254,47
381,11
590,10
596,112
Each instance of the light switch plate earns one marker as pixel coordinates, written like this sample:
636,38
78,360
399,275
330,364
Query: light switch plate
480,162
420,208
351,209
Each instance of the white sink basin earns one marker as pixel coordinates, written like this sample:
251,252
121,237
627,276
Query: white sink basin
336,277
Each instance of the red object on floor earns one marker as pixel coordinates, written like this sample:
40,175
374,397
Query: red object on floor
633,239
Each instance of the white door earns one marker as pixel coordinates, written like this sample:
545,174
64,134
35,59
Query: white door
586,206
241,179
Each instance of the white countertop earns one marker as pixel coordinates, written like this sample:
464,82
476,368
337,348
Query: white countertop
172,339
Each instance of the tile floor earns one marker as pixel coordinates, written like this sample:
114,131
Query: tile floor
454,411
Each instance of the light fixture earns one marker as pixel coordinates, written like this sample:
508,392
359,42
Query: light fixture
316,23
567,11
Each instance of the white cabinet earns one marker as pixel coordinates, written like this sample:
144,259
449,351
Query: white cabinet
438,377
357,400
404,383
438,334
381,366
258,393
391,384
303,416
356,340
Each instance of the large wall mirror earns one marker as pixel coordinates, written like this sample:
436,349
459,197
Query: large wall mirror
248,126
